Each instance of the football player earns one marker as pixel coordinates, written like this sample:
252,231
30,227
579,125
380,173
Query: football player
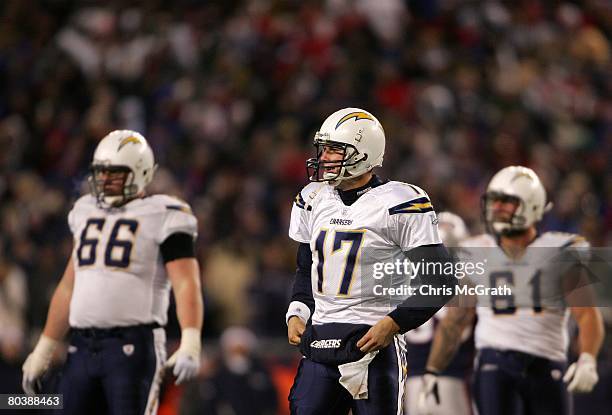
129,248
452,382
348,221
521,336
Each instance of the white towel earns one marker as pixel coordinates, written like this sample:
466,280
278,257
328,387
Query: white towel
354,376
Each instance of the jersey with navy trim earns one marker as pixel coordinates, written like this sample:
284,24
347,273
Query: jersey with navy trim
533,319
348,241
120,278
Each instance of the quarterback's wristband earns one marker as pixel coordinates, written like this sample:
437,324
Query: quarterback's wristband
299,309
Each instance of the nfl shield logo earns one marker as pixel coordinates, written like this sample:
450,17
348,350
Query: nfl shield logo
128,349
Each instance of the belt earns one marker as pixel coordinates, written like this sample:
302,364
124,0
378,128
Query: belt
100,333
520,356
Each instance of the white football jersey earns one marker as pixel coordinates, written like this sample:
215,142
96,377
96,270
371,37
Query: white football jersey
347,241
533,318
120,278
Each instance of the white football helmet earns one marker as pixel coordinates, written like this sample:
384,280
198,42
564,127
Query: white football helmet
361,137
122,151
452,229
523,185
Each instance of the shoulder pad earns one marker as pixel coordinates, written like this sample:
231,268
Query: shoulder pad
167,202
86,200
483,240
81,208
306,197
404,198
560,240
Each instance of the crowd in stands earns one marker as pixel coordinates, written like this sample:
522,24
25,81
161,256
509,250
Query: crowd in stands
230,94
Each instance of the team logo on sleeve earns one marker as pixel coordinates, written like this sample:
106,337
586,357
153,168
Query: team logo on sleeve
357,115
420,205
301,203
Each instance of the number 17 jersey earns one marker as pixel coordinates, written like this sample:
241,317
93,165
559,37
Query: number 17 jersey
351,244
120,278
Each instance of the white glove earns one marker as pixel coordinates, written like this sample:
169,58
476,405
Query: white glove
429,398
37,364
186,360
582,374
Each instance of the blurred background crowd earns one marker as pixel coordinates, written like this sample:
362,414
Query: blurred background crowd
230,93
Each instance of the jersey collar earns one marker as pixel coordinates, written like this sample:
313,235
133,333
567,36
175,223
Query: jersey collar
349,197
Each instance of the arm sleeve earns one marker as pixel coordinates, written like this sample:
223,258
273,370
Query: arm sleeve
73,218
577,273
177,218
71,221
302,302
176,246
410,230
581,248
418,308
299,226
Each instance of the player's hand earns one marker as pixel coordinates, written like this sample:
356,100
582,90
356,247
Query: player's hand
379,336
186,360
429,398
295,329
582,374
37,364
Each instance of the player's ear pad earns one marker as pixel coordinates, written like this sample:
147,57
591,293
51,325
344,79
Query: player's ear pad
333,343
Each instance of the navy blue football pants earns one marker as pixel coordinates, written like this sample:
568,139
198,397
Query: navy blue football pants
316,390
113,371
509,383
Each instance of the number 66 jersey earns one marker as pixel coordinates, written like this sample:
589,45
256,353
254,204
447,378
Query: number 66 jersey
120,278
350,246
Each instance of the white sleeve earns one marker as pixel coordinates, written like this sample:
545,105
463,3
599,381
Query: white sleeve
581,248
299,225
177,219
72,220
78,211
